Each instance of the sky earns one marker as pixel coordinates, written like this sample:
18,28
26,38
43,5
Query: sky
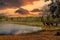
9,7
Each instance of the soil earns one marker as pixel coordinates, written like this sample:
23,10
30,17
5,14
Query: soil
44,35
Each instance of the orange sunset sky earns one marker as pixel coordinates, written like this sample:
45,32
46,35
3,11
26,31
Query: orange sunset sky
17,8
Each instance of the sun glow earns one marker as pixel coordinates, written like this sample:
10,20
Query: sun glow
35,5
8,11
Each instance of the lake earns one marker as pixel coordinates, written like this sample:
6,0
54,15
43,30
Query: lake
17,29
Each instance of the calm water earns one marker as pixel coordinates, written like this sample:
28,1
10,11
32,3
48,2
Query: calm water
17,29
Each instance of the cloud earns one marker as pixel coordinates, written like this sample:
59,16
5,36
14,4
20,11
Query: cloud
13,3
10,3
29,0
22,11
35,10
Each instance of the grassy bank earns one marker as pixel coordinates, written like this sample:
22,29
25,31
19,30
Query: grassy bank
31,21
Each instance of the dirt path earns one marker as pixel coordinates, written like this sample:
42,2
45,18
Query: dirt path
46,35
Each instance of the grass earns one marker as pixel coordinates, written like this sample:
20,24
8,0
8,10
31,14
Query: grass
30,21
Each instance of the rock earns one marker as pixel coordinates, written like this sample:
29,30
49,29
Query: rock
57,34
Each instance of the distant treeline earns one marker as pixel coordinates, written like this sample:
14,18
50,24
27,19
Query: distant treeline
20,19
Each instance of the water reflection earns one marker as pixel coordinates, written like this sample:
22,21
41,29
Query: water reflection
17,29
